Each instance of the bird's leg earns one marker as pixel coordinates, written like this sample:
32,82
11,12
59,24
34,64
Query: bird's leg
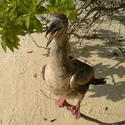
75,110
61,102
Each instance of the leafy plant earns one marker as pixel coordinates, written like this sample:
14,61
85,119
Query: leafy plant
18,17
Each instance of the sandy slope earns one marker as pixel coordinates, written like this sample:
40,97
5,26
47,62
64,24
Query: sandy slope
22,103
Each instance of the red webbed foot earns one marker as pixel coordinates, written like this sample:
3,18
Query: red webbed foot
60,102
75,110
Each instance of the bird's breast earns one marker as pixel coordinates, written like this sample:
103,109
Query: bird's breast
57,79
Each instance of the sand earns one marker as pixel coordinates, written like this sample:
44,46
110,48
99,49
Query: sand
23,103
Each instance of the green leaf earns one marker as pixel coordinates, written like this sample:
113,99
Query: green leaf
27,21
34,3
40,9
10,45
63,6
17,17
3,44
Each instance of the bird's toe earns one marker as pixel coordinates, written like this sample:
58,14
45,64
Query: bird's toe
60,102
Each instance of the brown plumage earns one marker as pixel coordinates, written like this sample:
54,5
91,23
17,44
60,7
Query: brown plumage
65,76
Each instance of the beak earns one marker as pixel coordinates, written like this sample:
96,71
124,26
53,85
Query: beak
53,32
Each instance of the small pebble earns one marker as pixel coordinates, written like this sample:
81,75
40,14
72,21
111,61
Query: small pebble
45,119
30,52
106,108
53,120
35,75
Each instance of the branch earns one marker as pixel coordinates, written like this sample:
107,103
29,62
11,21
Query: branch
122,5
92,36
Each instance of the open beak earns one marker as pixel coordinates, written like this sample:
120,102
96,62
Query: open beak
53,33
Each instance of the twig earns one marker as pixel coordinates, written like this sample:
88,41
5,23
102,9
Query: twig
33,40
122,5
92,36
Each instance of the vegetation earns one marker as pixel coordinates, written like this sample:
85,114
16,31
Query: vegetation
18,17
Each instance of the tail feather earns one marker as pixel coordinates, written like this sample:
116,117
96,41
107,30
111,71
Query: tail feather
99,81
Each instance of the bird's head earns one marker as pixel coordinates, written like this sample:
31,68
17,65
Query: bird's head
58,23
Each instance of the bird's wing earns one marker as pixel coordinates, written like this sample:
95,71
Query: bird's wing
43,71
83,73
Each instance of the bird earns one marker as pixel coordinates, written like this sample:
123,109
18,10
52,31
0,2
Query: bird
64,75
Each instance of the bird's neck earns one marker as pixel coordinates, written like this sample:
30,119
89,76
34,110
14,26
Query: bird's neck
59,50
